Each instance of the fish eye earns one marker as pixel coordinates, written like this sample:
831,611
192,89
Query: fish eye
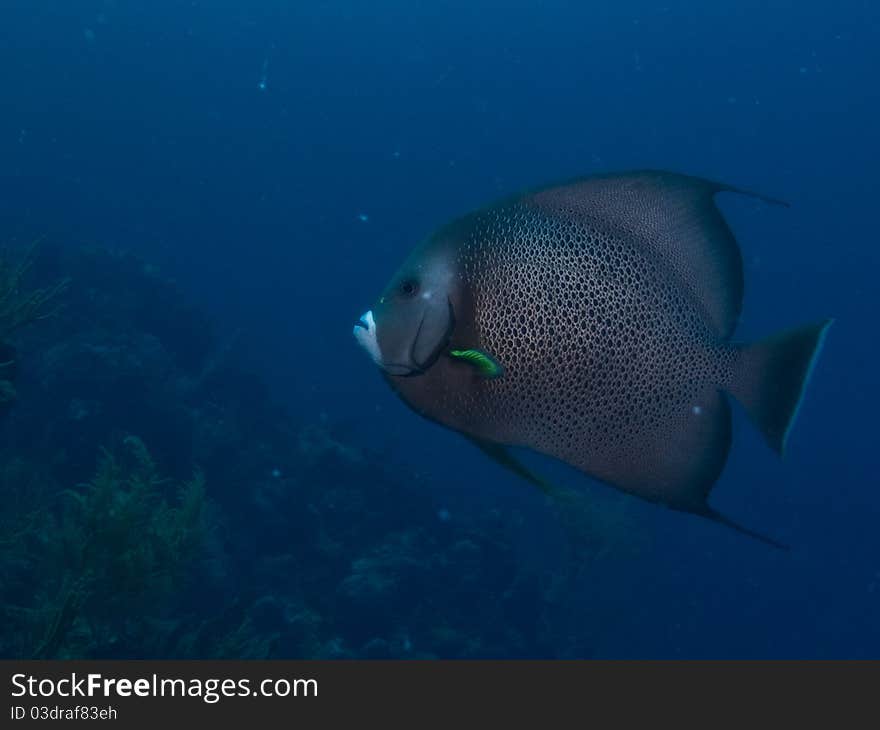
409,287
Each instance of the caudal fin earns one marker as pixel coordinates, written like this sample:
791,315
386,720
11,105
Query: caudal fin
771,378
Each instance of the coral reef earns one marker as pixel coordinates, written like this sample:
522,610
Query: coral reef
217,525
96,551
20,306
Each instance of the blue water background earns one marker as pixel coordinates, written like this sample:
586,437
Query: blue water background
282,210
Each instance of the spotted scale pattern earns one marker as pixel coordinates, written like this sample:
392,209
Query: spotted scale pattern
609,363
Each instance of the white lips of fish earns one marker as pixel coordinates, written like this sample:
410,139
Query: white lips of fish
365,334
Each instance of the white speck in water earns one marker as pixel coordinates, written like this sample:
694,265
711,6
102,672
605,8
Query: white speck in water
363,217
276,473
264,74
697,410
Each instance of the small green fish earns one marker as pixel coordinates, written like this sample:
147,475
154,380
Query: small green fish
486,366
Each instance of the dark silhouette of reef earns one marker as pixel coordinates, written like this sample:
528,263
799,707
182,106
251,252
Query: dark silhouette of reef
157,503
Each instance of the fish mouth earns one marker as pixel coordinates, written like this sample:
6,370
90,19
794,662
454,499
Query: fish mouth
365,332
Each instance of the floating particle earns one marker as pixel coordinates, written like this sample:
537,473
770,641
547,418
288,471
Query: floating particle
264,73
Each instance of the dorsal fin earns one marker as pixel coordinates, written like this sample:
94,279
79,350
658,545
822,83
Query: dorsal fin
673,216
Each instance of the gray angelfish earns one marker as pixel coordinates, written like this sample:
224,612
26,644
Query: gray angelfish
591,321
